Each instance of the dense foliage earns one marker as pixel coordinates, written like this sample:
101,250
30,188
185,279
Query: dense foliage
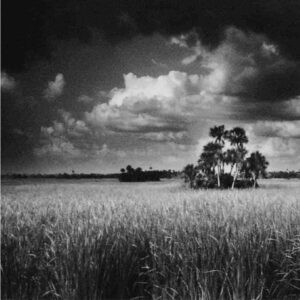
223,162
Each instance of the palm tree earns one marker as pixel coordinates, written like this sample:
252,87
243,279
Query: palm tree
212,157
239,161
219,133
230,157
189,172
237,138
256,165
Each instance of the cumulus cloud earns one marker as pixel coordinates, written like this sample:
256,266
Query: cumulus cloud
55,88
147,103
174,85
8,83
64,137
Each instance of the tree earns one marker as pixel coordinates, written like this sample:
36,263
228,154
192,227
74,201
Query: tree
230,157
122,170
219,133
239,161
129,169
212,157
237,138
139,170
256,166
212,171
189,172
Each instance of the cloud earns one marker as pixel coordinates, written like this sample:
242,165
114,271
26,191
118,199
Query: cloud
282,129
55,88
181,137
174,85
246,65
277,147
65,137
8,83
147,103
195,47
278,140
58,147
70,139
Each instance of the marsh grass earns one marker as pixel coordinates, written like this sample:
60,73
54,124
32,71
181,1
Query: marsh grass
149,241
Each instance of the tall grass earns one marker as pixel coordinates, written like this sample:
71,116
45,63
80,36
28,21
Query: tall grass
149,241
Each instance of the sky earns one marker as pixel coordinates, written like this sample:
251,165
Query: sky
93,86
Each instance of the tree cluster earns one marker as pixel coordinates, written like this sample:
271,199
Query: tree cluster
223,162
136,175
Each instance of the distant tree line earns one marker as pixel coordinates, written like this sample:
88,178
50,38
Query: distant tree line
130,174
61,176
284,174
138,175
223,162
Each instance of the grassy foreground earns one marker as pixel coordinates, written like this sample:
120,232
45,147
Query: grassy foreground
154,241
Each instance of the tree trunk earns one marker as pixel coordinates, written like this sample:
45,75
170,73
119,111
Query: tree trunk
231,168
218,174
218,178
235,177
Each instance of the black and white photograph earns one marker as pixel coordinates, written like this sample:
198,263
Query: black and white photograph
150,149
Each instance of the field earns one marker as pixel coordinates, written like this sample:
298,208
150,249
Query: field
110,240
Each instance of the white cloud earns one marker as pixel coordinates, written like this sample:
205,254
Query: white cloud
55,88
148,103
174,85
8,83
165,103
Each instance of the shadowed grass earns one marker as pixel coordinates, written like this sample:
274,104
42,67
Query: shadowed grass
154,241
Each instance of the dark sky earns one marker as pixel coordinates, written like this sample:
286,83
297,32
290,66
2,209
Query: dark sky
94,85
